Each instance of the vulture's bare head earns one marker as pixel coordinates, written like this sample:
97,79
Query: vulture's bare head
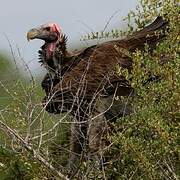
49,32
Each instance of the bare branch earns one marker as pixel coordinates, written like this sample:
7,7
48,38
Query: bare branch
35,154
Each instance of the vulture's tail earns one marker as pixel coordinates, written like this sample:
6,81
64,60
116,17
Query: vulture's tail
151,34
158,24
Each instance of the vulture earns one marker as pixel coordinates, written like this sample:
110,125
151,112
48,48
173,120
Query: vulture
85,83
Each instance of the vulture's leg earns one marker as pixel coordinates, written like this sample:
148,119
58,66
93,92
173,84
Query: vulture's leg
77,144
97,127
106,110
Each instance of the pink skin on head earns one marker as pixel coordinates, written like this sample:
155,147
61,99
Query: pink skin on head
51,46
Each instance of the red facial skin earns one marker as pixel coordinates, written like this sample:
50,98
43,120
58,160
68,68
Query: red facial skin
51,46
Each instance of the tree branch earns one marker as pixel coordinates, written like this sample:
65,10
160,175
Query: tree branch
35,154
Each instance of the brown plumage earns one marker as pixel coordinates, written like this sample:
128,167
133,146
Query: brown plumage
90,72
78,81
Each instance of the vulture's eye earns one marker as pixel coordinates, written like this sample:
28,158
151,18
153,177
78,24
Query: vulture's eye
47,28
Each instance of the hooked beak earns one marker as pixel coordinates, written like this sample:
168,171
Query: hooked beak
33,33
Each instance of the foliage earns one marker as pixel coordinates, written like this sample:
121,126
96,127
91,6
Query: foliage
15,165
148,141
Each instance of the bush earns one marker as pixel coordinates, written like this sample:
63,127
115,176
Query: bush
147,142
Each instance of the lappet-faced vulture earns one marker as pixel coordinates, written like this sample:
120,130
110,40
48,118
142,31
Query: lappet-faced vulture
85,82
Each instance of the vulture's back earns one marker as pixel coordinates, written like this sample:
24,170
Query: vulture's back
94,73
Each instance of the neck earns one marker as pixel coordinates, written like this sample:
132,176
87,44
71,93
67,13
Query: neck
46,56
49,47
54,55
59,45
